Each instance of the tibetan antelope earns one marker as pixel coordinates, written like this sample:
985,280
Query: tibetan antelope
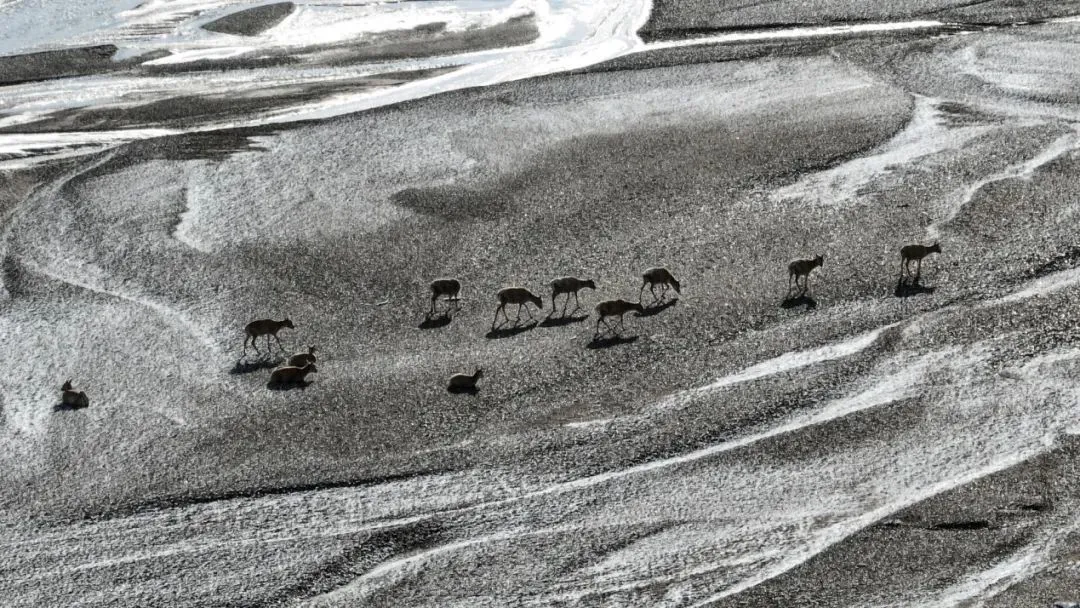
451,288
519,296
302,359
460,383
657,276
265,327
569,285
915,253
290,374
802,268
72,398
611,308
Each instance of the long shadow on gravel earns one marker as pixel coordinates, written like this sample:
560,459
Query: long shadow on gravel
974,524
906,290
799,300
609,341
655,309
506,332
560,321
246,367
434,322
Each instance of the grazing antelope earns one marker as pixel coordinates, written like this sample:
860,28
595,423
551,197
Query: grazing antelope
73,398
802,268
569,285
464,382
915,253
451,288
611,308
302,359
291,374
264,327
657,276
519,296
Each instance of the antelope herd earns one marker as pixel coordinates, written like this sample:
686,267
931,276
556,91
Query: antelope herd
298,366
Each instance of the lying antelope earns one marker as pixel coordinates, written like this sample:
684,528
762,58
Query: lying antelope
569,285
519,296
451,288
611,308
464,382
302,359
915,253
291,374
265,327
802,268
657,276
73,398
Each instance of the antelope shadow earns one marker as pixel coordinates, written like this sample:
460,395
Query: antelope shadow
551,321
966,524
602,341
246,367
906,290
432,322
505,332
799,300
657,307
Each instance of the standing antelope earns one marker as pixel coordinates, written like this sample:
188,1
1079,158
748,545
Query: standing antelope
802,268
460,383
915,253
290,374
657,276
569,285
611,308
451,288
265,327
73,398
519,296
302,359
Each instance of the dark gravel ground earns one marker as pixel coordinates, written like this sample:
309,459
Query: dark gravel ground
252,21
678,18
